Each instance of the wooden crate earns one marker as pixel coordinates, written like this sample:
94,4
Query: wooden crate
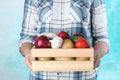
53,65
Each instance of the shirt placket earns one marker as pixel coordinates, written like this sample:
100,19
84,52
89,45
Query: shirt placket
60,12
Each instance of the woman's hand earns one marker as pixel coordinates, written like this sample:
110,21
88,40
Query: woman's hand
101,49
25,49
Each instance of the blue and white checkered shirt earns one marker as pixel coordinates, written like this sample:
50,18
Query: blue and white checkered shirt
77,16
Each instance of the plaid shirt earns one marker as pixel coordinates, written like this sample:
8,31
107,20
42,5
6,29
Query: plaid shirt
77,16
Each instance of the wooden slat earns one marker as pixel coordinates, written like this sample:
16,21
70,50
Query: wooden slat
62,65
86,52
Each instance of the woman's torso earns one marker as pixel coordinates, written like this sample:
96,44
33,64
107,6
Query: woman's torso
67,15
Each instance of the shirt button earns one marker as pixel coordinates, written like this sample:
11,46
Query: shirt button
57,73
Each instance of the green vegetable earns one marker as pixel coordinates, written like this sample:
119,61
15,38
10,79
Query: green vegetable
74,38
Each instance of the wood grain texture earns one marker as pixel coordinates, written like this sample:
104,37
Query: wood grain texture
72,65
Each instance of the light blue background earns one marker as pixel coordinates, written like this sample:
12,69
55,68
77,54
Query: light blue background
12,66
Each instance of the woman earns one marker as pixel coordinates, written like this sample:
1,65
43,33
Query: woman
78,16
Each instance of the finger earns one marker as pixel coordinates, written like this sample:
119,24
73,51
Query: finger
97,61
28,64
28,61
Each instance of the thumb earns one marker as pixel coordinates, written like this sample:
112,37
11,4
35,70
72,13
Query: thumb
28,60
96,60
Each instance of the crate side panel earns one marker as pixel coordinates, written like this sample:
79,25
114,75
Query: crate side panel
62,65
62,52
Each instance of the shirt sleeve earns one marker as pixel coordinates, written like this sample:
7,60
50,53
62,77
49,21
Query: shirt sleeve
99,22
30,22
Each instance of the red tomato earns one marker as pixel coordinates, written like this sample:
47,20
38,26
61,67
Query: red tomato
81,43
